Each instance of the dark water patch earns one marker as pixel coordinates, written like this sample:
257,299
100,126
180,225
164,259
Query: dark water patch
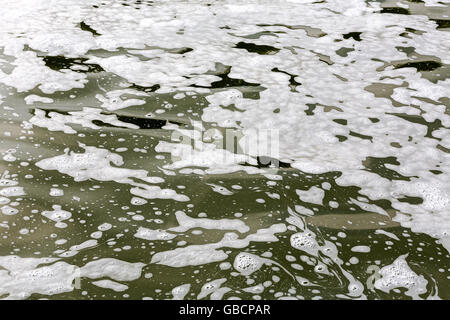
260,34
232,107
141,2
341,138
323,58
343,52
385,90
268,162
254,95
58,63
341,121
227,82
142,123
140,56
361,136
264,162
257,48
48,111
180,50
442,24
145,89
431,126
421,65
407,50
411,30
292,83
310,31
311,108
374,120
411,200
378,166
354,35
340,77
395,10
442,148
88,28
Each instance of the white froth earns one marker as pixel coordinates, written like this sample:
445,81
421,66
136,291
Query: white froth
109,284
95,163
186,223
208,253
148,234
313,195
22,277
210,287
399,275
115,269
361,249
55,121
247,263
305,241
57,214
181,291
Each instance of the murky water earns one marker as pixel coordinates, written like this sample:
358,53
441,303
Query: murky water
221,149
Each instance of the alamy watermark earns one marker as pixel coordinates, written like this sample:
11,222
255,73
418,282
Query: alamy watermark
227,146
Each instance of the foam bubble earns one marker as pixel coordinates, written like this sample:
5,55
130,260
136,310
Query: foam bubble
305,241
247,263
148,234
57,214
399,275
181,291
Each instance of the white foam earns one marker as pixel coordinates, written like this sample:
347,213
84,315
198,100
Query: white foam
84,245
55,192
399,275
210,287
305,241
32,98
9,211
95,163
208,253
23,277
148,234
313,195
386,233
181,291
12,192
361,249
57,214
104,226
55,121
220,189
186,223
247,263
109,284
115,269
113,100
29,72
